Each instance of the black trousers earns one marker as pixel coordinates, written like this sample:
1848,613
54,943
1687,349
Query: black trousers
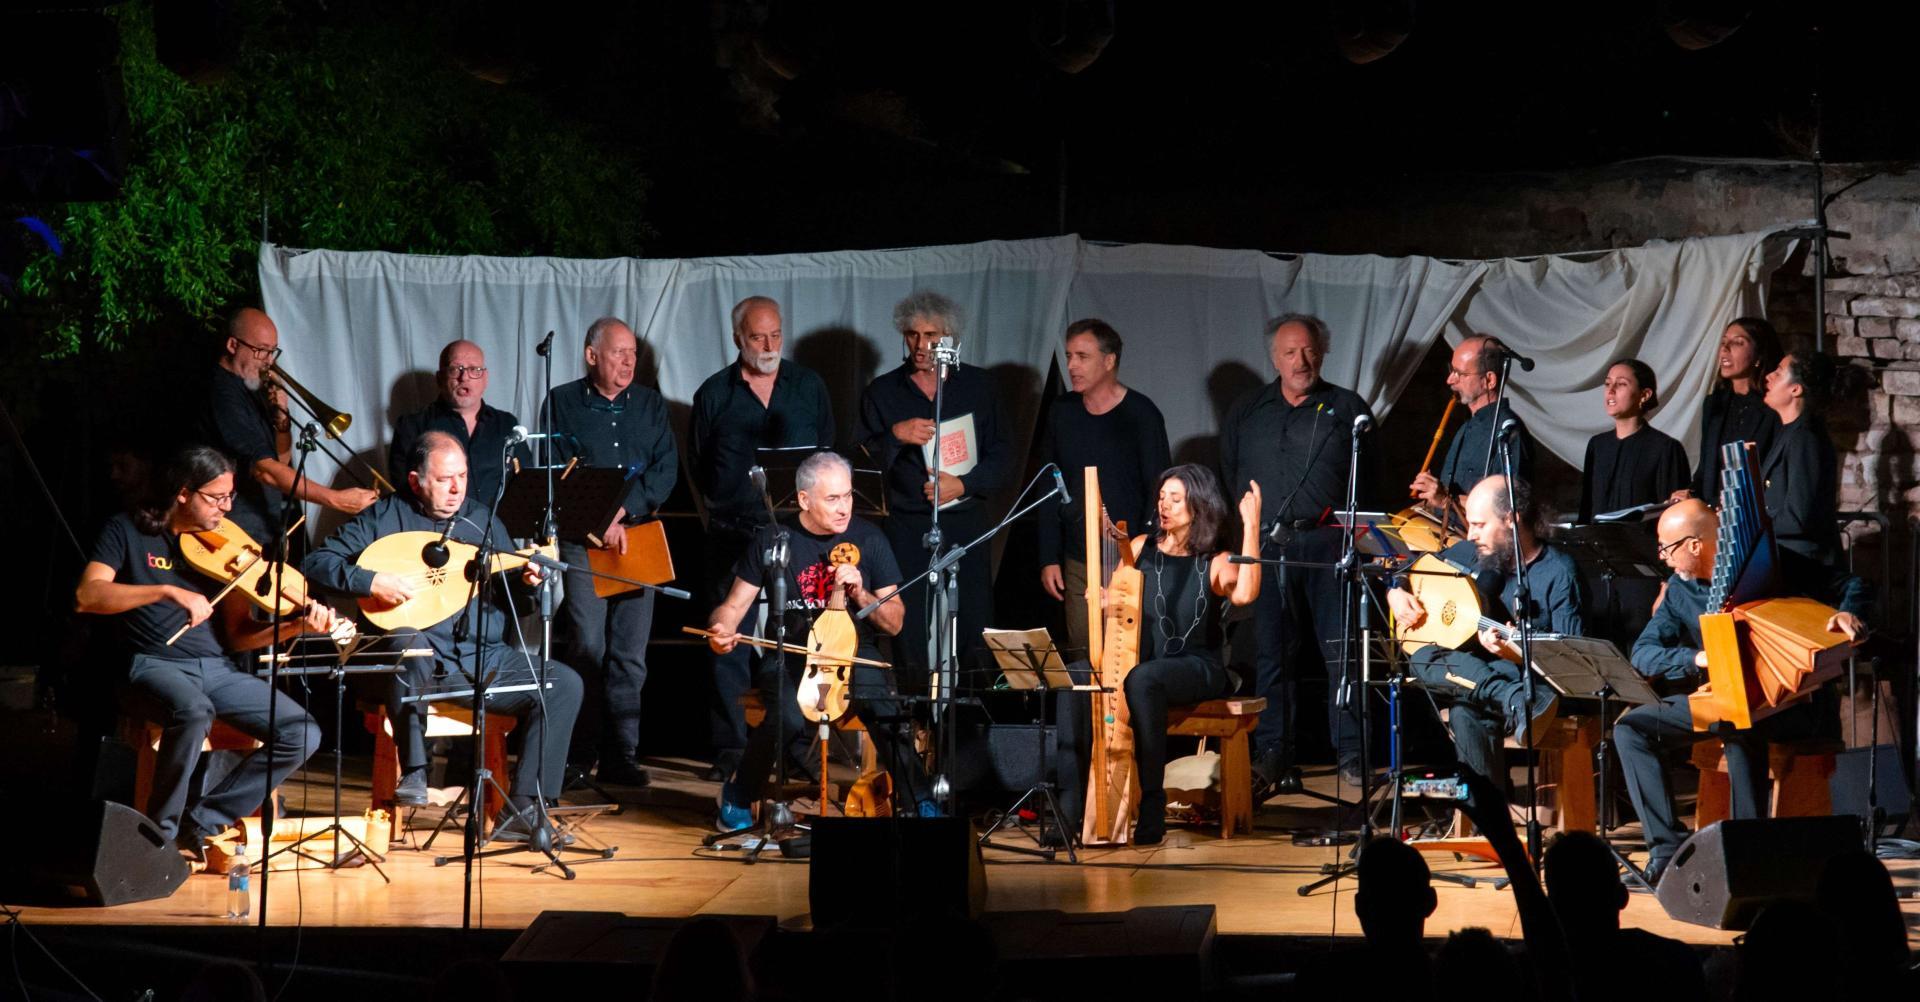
733,671
185,696
1651,736
1152,688
887,718
1297,627
607,644
905,531
546,716
1482,694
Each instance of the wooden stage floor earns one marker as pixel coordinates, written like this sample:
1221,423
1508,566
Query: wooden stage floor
661,871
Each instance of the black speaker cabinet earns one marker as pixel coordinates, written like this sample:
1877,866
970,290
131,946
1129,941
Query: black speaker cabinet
1849,785
112,855
1729,870
883,871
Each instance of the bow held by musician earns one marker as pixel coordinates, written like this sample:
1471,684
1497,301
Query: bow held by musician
137,574
438,505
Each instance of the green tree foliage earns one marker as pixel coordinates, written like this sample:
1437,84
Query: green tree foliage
355,135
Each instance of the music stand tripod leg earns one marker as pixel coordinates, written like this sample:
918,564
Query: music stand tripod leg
334,828
1043,788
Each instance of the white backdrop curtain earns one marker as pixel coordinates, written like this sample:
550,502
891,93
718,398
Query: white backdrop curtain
363,329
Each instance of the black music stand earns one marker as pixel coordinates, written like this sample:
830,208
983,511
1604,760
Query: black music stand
781,464
332,662
1612,552
1038,668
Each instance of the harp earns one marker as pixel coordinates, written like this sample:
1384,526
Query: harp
1763,652
1113,648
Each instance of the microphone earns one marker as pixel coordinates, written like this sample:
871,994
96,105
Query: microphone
436,554
1525,363
946,355
518,435
546,348
1508,428
757,476
1362,423
1060,484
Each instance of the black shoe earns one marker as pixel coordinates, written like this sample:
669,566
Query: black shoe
1151,826
1352,776
1651,873
412,791
512,828
623,772
191,840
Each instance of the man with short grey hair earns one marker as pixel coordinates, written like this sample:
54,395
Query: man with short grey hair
759,401
606,420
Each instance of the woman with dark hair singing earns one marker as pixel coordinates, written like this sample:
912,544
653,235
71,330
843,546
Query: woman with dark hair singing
1736,408
1635,463
1180,665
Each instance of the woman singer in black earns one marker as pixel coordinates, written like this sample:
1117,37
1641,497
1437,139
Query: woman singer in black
1736,408
1635,463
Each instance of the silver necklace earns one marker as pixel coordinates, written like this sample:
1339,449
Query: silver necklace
1176,645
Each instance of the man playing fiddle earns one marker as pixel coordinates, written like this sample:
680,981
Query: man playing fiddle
136,574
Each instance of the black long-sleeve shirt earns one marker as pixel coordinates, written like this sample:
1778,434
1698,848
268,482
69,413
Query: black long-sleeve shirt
234,419
1731,417
1559,596
332,566
730,422
1298,453
1801,478
1646,466
892,397
1129,446
491,428
1468,460
629,432
1666,648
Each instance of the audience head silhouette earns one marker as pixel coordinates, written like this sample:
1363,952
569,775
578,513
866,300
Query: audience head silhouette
1776,955
1395,893
703,961
1583,882
1856,893
1471,963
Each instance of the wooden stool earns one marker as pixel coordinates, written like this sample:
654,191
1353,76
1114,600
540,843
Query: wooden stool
1566,774
1800,771
754,710
1230,720
144,737
443,721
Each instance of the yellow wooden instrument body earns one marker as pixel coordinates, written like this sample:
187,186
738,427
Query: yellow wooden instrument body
823,693
646,560
1452,602
438,592
1113,641
1763,657
229,555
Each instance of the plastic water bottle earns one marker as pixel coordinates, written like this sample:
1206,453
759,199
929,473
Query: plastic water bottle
239,887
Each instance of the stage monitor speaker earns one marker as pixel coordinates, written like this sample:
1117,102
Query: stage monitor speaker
1849,785
1729,870
1019,752
114,857
883,871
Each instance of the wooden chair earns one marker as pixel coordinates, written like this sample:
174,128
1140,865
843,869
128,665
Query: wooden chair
443,721
1800,771
144,737
1230,720
754,710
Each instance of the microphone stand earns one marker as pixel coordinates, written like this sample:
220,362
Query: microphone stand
305,445
943,596
1523,616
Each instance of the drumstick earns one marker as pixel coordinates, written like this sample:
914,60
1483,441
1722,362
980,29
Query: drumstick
789,648
1427,463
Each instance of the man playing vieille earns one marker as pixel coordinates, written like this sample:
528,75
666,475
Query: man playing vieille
815,582
1484,681
1106,424
1670,653
758,402
1473,374
606,420
437,502
236,417
460,410
896,430
137,575
1294,437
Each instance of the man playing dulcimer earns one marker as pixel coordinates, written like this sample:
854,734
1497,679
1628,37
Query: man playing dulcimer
181,678
816,582
437,504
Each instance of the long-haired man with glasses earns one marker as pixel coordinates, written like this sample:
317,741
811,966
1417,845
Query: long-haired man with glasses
137,575
461,410
237,417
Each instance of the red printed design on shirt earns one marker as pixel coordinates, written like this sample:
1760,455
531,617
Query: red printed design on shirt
815,583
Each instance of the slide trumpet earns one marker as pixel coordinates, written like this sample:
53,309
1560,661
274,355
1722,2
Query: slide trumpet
335,421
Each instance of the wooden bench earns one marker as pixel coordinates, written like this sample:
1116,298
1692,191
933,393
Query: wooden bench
1230,720
1800,771
443,721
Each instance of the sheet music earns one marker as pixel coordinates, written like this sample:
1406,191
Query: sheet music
959,449
1010,653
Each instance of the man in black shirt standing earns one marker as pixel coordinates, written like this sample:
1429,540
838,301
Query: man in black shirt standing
758,402
836,561
437,502
896,430
1473,453
605,420
1103,423
137,575
461,411
1294,437
235,418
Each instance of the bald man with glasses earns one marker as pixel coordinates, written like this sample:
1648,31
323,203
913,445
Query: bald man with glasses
461,410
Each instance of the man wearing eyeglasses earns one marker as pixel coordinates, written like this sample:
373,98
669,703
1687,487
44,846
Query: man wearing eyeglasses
461,411
1669,652
237,418
1473,454
605,420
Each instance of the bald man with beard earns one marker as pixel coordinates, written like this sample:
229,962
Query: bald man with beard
1669,653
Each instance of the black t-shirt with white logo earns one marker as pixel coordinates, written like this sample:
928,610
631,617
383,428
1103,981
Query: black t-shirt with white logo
138,558
810,572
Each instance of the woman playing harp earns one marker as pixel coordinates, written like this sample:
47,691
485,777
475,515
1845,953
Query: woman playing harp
1182,569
